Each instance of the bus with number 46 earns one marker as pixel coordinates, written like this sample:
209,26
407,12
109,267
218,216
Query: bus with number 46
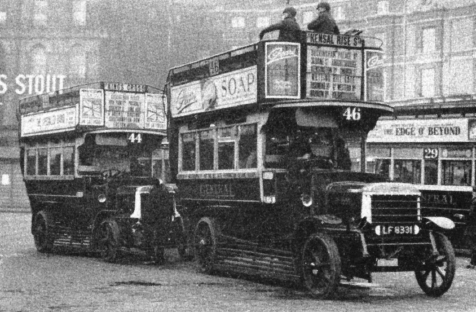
268,148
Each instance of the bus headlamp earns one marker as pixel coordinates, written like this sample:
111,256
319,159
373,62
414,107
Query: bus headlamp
306,200
102,198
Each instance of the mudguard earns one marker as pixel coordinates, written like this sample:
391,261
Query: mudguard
441,222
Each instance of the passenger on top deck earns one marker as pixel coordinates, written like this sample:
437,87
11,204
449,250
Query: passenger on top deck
289,29
324,23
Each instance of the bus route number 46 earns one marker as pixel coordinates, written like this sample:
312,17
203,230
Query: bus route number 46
135,138
352,113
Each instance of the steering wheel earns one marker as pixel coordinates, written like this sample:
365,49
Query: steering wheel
110,173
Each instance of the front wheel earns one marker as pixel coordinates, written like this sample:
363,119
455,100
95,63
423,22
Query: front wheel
436,274
205,242
41,235
321,265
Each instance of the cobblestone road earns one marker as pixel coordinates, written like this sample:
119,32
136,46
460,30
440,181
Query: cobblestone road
30,281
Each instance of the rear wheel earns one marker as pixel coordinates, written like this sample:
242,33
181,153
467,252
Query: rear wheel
205,245
41,234
109,242
321,265
436,274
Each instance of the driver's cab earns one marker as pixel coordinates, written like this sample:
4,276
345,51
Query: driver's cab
308,135
113,154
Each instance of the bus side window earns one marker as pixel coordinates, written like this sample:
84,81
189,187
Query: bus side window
407,171
188,151
31,162
42,161
68,160
206,149
431,172
226,148
55,161
247,147
456,172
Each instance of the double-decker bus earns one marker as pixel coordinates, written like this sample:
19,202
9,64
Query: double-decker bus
268,143
90,156
435,154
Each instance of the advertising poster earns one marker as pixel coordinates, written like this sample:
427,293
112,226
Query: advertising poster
374,76
91,107
334,73
425,131
48,122
283,70
155,117
124,110
227,90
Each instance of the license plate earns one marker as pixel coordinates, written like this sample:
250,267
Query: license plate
397,229
387,262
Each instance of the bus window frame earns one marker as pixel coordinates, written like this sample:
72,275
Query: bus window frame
236,141
439,160
49,145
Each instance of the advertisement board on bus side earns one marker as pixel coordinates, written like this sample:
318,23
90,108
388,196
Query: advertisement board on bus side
49,122
222,91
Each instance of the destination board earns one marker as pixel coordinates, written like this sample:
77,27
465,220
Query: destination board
334,73
124,110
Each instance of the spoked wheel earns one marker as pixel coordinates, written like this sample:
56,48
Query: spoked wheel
205,245
109,243
41,235
437,272
321,265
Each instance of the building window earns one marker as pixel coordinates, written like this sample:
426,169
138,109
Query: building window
428,82
382,7
262,21
40,12
79,12
238,22
339,13
428,41
307,17
78,62
461,35
38,60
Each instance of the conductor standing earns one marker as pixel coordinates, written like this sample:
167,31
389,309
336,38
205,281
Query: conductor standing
324,23
289,29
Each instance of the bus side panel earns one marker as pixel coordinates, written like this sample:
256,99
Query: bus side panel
450,204
221,190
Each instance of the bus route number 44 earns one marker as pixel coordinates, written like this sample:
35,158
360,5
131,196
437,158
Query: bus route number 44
352,113
135,138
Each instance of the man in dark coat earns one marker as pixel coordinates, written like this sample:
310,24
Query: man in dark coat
157,214
324,23
289,29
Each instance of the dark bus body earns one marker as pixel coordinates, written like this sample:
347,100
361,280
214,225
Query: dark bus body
268,144
90,156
